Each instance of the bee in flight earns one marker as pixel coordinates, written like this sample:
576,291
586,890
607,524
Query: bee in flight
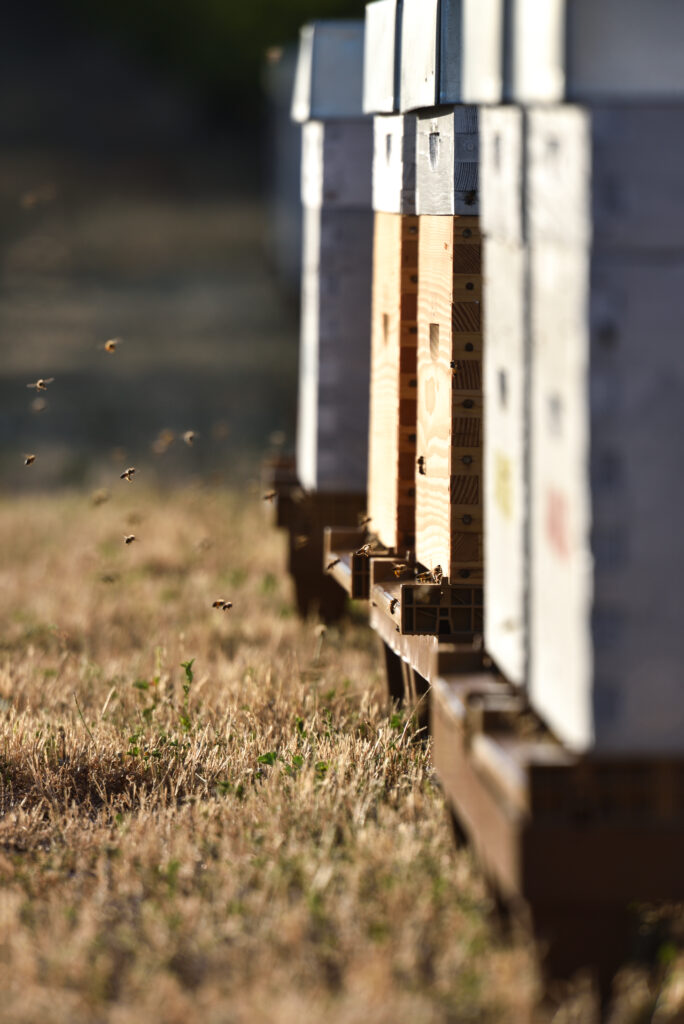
364,520
331,565
301,541
110,346
129,538
29,460
399,568
128,474
270,496
41,384
223,605
394,604
190,436
364,550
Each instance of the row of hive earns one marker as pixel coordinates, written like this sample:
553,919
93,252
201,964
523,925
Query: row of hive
502,285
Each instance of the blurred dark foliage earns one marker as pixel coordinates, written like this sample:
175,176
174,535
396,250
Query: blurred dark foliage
218,46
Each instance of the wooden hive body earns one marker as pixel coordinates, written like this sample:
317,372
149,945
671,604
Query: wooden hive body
506,391
607,304
451,52
394,163
382,57
449,461
594,50
447,162
392,454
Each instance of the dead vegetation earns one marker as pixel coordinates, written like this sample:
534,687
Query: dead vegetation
210,816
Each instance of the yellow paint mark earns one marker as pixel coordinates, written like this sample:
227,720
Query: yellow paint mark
503,484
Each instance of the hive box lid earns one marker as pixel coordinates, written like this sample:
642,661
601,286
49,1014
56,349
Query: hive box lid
329,79
589,50
451,52
382,57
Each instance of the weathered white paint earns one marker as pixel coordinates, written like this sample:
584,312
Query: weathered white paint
419,54
381,74
336,163
506,370
394,164
610,173
592,50
332,429
471,51
329,78
447,159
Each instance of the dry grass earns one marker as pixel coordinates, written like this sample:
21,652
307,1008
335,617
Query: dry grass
257,839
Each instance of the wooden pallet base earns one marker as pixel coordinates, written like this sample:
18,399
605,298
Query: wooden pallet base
571,841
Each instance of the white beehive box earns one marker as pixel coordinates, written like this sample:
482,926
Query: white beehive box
394,163
607,551
332,428
506,390
329,79
382,57
593,50
451,52
336,157
447,162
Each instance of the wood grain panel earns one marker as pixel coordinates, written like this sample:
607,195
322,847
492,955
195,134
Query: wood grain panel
393,379
449,485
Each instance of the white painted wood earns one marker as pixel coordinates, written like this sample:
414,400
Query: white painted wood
447,162
337,159
502,146
506,377
471,51
419,54
611,173
381,68
332,429
394,164
608,554
593,50
329,78
452,52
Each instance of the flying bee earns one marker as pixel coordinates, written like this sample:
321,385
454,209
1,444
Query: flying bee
129,538
223,605
394,604
128,474
364,550
163,441
301,541
364,520
110,346
270,496
331,565
41,384
424,577
29,460
437,574
399,568
190,436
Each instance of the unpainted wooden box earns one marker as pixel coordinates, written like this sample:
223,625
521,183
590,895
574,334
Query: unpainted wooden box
609,174
337,159
506,391
394,163
329,78
451,52
594,50
607,550
449,492
447,162
332,429
381,66
393,406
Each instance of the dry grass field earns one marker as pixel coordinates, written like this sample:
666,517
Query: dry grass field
255,836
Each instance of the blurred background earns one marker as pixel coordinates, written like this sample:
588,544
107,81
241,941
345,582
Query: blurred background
148,192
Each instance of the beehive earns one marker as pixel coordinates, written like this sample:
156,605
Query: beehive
329,79
447,165
607,304
382,53
506,391
593,50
